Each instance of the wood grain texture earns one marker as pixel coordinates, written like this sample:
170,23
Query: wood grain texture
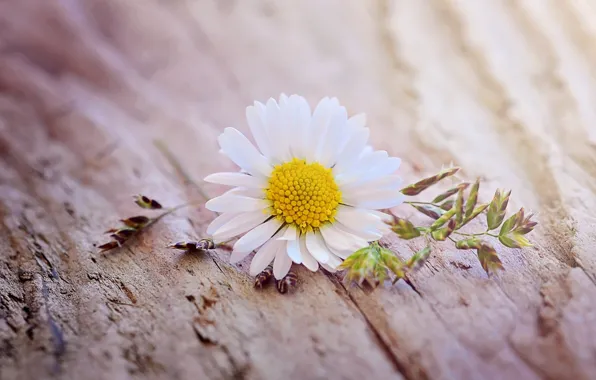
504,88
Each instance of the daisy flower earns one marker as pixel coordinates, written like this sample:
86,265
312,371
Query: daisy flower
308,193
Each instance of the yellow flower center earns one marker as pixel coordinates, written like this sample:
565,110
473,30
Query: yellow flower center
302,194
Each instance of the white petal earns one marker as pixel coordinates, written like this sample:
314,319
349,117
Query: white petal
377,200
333,262
264,256
289,233
384,168
220,221
237,256
340,240
257,128
307,259
247,192
282,264
367,150
357,121
276,132
301,127
236,179
235,203
329,147
317,248
260,108
352,150
382,204
309,140
368,234
392,181
243,153
328,268
389,166
254,239
317,129
240,224
387,185
357,218
361,167
293,249
290,119
354,124
340,253
385,217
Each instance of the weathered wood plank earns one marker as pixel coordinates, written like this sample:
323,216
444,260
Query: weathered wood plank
502,88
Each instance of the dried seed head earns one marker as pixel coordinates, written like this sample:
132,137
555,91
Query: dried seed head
443,219
525,226
519,217
136,222
201,245
264,277
459,207
123,234
405,229
205,244
444,232
429,210
472,243
108,246
477,211
514,240
184,245
360,264
489,259
497,209
392,263
441,197
447,205
508,225
287,283
472,199
418,259
425,183
372,264
146,202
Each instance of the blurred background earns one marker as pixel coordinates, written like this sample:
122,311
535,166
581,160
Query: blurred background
503,88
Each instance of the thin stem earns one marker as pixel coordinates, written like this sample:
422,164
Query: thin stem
161,146
171,210
478,234
420,203
179,207
463,234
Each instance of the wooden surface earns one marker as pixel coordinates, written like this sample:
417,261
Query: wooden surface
504,88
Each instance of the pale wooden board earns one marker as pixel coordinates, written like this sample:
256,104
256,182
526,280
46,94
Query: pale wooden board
506,89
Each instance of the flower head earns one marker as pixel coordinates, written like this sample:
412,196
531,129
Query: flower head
308,192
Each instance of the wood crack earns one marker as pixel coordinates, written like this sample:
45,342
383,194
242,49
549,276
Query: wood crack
398,365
